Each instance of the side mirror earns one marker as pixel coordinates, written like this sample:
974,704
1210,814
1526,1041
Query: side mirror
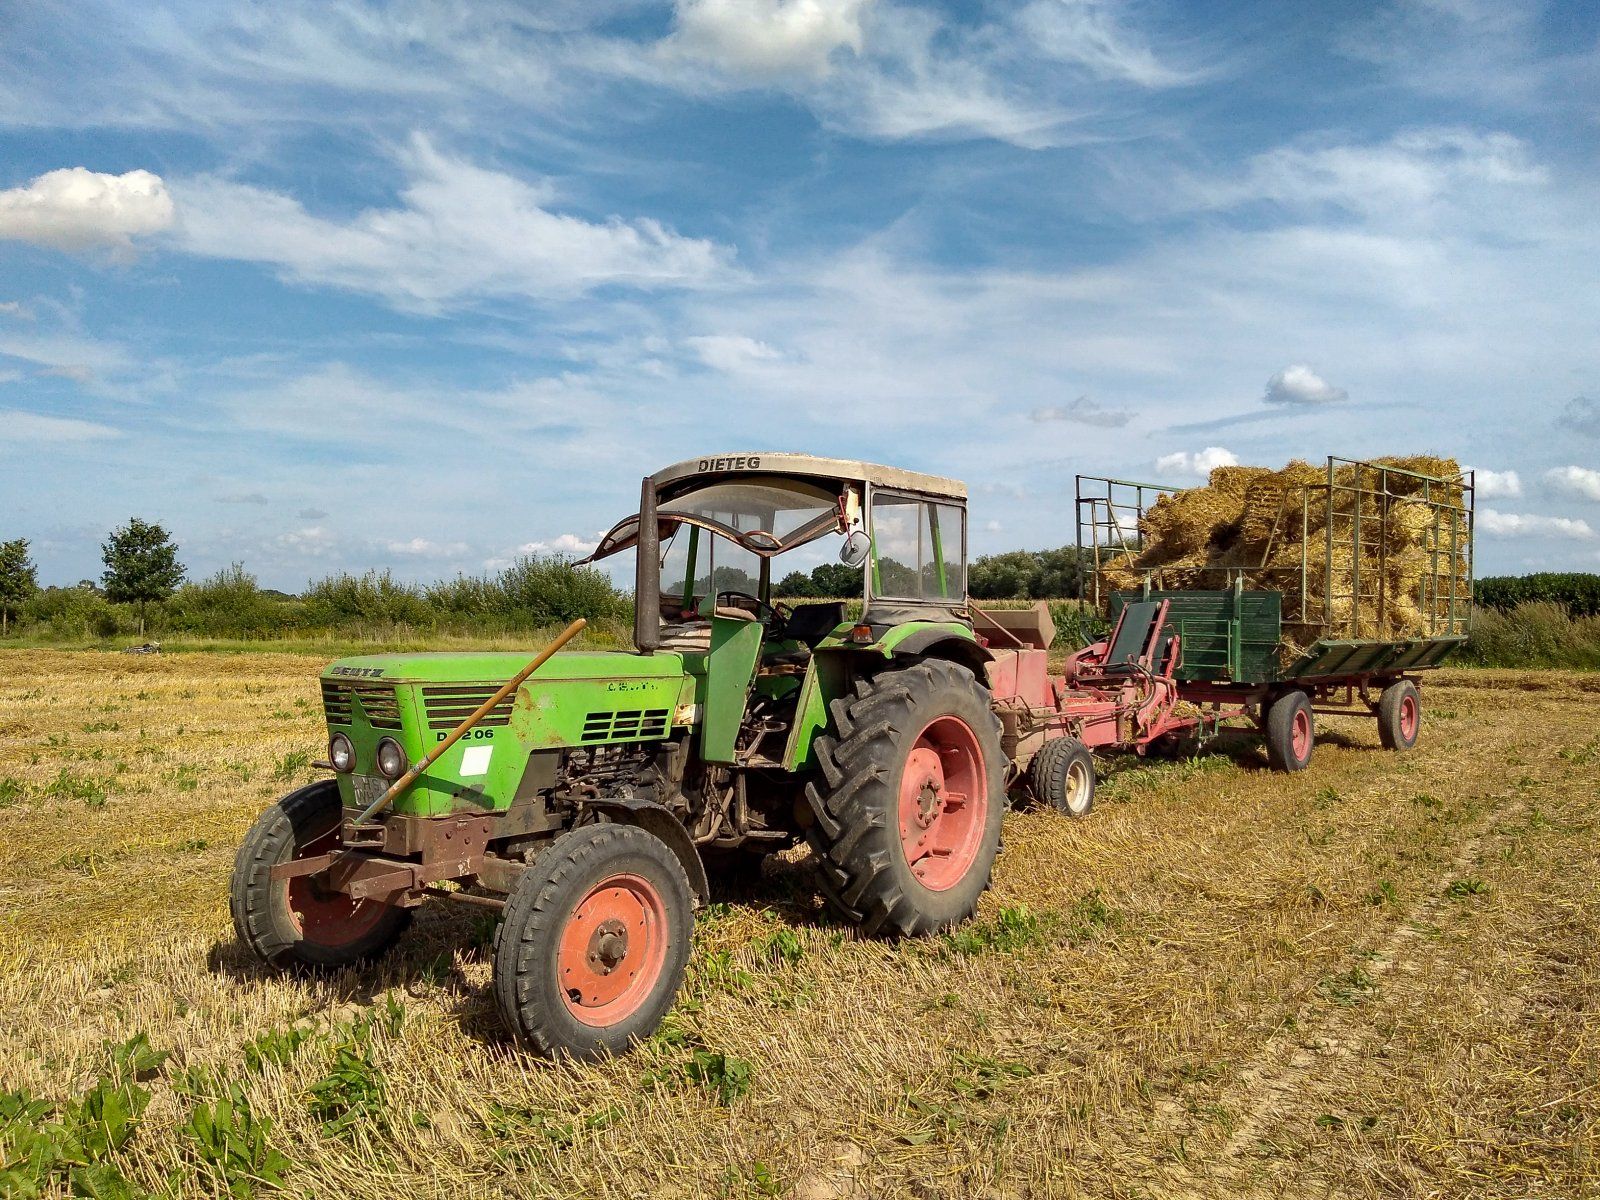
857,548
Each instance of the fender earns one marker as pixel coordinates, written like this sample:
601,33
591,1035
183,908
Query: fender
939,642
655,819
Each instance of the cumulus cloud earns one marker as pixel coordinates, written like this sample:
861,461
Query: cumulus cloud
766,38
1583,415
1083,411
1495,485
732,353
419,547
461,232
1201,462
312,541
565,545
1499,524
24,427
77,209
1299,384
1580,483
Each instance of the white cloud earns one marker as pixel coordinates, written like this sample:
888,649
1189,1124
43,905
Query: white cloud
76,372
1581,483
77,209
1086,33
565,543
1083,411
766,38
1201,462
15,308
24,427
1299,384
462,232
1496,485
418,547
1499,524
731,352
312,541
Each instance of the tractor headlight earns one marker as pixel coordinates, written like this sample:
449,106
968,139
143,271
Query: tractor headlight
391,759
341,753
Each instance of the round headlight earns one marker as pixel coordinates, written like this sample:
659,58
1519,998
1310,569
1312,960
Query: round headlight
341,753
391,759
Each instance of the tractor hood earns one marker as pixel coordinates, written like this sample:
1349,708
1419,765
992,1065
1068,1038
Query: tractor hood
498,667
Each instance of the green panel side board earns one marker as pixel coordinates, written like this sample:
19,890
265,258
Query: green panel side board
730,667
1226,635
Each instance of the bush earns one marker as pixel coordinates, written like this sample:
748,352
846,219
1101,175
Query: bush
376,598
1536,634
1028,575
229,604
551,591
75,612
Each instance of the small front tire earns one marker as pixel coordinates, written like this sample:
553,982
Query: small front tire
300,922
593,946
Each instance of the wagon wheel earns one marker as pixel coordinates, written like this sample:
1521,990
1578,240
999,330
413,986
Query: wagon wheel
1399,715
301,922
1291,732
595,939
908,808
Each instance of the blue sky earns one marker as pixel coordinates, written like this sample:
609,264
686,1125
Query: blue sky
331,286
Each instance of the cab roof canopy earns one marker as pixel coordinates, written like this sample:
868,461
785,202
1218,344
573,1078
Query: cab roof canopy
697,472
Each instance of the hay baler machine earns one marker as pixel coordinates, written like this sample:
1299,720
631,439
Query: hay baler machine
589,798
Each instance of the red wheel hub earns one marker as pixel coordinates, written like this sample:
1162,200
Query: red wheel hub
613,949
944,803
323,916
1410,717
1300,734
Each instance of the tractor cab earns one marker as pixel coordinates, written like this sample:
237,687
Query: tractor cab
709,529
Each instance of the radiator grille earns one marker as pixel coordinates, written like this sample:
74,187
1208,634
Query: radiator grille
448,706
377,701
632,724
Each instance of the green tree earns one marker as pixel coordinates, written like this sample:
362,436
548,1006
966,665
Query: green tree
795,585
836,581
18,579
141,565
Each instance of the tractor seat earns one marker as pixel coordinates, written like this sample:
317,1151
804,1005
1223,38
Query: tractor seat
810,623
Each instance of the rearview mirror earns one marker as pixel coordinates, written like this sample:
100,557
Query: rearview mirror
856,549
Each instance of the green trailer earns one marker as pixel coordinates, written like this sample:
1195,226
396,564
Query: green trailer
1314,642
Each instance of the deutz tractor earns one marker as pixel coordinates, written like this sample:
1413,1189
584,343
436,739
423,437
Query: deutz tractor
588,803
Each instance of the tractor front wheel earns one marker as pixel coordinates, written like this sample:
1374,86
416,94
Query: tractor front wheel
907,812
592,949
300,922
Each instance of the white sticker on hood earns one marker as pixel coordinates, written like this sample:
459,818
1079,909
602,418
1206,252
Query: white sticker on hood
475,760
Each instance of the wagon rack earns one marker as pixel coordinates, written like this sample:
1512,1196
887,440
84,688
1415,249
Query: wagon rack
1186,659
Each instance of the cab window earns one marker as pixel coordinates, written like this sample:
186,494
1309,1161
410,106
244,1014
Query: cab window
919,548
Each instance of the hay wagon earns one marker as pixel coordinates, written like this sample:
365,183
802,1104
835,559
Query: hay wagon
1334,591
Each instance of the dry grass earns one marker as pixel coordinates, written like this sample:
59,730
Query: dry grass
1377,978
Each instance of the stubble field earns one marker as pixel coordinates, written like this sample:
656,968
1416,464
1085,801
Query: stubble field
1377,978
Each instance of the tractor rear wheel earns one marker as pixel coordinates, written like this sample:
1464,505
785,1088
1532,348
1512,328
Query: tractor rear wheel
1291,732
300,922
1399,715
908,808
591,951
1062,776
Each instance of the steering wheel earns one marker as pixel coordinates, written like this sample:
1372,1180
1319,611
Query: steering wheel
764,612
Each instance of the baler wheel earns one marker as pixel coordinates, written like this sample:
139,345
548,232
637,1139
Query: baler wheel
1291,732
910,799
299,922
594,942
1062,776
1399,715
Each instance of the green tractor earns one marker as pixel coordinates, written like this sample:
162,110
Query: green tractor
588,803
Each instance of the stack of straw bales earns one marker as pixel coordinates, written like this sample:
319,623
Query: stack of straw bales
1265,524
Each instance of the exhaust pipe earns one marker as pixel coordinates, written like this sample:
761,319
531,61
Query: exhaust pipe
647,574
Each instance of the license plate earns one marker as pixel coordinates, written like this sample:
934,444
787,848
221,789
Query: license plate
368,788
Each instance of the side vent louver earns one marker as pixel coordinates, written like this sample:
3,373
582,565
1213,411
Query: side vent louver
377,700
625,725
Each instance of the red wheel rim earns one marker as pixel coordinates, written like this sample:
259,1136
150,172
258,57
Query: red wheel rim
1409,716
1300,734
944,803
322,916
613,950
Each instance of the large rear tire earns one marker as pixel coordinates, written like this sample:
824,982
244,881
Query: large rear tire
299,922
912,795
592,949
1291,732
1399,715
1062,776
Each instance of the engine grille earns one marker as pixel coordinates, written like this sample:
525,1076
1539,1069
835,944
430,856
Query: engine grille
377,701
632,724
446,706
